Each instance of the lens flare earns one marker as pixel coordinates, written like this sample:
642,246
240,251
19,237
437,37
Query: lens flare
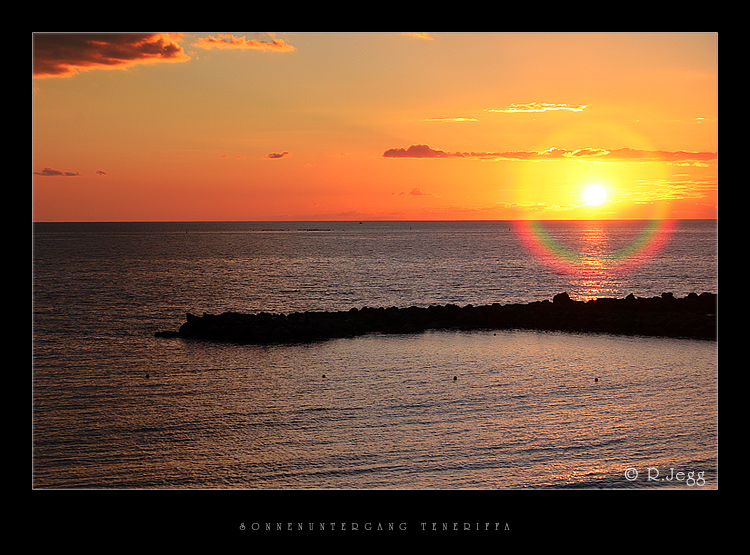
614,192
564,259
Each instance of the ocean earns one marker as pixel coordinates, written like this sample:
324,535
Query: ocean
116,408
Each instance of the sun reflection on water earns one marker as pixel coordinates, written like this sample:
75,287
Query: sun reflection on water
593,254
596,259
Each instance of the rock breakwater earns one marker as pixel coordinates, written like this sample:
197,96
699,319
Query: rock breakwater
693,316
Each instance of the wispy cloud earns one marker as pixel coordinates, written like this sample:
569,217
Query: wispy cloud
539,107
423,36
555,153
276,155
67,54
655,190
228,41
515,108
664,155
451,119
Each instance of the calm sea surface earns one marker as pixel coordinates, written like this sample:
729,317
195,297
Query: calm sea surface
116,407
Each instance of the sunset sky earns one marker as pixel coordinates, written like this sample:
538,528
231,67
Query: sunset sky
373,126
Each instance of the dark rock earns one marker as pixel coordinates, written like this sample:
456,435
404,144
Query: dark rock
692,316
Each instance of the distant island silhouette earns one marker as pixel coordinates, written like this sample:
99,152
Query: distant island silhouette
692,316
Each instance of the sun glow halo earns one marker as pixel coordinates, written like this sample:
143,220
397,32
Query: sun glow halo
594,195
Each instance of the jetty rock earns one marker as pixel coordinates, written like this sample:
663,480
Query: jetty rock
692,316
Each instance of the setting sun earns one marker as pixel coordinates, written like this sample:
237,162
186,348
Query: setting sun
131,127
295,223
594,195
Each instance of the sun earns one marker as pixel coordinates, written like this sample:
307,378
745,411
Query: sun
594,195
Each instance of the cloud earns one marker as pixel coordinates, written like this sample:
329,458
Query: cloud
451,119
588,152
101,172
228,41
555,153
424,151
656,190
415,192
416,151
67,54
668,156
49,172
423,36
276,155
539,107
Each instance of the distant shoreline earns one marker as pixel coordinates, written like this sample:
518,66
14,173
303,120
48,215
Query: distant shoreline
693,316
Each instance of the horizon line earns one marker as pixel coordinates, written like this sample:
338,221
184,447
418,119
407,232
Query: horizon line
375,220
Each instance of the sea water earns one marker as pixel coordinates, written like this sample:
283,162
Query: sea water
116,408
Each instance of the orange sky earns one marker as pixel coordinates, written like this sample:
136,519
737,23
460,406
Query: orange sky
376,126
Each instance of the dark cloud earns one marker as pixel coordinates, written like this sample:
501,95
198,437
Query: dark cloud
275,155
65,54
416,151
49,172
